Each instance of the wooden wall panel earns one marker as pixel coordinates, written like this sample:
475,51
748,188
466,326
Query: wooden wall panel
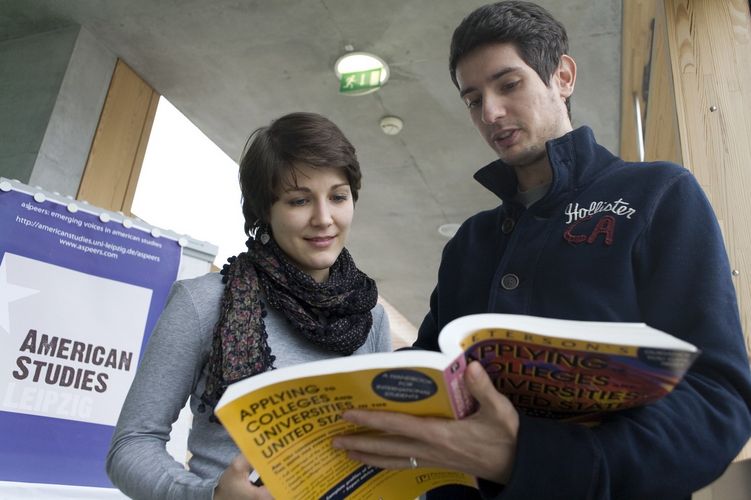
636,42
662,139
697,110
114,163
710,47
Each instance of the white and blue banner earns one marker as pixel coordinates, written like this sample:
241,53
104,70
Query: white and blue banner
80,292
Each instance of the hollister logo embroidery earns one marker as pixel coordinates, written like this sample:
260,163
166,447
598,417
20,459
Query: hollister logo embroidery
605,226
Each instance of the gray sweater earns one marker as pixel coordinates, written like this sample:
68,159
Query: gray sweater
173,370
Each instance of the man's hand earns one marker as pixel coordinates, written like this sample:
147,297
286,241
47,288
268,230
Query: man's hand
234,483
483,445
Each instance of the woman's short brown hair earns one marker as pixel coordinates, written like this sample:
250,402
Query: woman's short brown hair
273,152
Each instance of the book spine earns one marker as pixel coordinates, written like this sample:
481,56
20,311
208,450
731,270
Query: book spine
462,402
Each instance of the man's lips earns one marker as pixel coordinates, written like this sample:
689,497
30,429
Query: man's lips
505,137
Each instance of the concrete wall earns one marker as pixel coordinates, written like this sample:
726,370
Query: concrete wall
52,88
67,140
32,71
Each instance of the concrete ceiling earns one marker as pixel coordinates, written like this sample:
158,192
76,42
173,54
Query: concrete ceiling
233,65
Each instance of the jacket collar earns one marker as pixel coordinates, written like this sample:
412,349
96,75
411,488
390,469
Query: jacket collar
576,159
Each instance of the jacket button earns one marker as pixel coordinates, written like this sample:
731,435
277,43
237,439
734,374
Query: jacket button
508,225
510,281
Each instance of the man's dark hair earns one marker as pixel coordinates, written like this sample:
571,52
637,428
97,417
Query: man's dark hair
275,151
538,37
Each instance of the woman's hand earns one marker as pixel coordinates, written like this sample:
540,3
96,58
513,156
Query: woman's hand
235,485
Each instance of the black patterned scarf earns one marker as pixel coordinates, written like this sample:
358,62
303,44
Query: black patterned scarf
334,315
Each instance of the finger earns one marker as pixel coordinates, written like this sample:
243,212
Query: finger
382,445
422,428
240,464
482,389
384,462
382,420
263,493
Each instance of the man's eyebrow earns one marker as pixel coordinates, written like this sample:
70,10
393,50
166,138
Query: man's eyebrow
495,76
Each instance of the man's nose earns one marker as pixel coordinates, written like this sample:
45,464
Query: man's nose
493,108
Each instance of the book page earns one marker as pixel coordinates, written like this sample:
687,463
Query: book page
570,378
284,423
633,334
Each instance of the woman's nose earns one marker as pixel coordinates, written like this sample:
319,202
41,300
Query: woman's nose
322,214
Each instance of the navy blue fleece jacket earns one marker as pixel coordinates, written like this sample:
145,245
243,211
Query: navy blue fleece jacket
610,241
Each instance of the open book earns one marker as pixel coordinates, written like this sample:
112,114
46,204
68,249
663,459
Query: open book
283,420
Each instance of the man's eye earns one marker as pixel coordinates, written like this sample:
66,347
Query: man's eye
510,85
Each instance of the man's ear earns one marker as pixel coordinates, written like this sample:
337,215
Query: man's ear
565,75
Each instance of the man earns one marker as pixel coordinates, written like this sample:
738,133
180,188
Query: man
580,235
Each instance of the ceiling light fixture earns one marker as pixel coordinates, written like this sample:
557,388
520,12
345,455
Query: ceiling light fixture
360,73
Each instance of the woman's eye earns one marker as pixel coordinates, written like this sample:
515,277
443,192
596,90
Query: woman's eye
339,198
297,202
472,103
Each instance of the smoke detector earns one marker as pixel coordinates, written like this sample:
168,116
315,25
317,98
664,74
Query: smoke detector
391,125
448,230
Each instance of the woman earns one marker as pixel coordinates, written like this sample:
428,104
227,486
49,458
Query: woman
294,296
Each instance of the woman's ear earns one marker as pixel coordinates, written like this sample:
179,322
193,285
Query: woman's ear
565,76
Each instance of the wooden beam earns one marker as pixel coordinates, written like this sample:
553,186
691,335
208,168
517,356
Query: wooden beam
636,43
662,139
114,164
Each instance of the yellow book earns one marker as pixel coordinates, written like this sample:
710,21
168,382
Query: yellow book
284,420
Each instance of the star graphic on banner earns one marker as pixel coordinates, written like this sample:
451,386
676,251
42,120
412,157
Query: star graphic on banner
9,293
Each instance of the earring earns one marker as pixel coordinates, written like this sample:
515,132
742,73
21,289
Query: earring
263,235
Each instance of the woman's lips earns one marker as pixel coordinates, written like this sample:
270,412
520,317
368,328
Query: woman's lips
321,241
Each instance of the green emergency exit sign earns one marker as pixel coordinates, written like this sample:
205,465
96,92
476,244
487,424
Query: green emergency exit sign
359,81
